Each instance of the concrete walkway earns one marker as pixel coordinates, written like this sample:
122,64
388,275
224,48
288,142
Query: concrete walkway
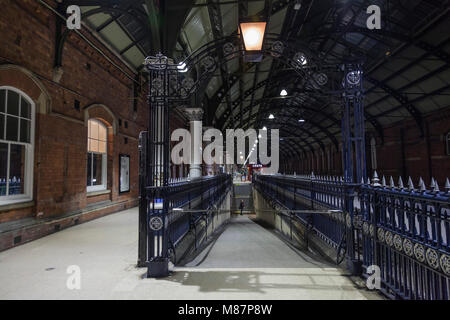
246,262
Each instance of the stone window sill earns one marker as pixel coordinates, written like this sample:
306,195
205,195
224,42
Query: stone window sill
15,204
97,193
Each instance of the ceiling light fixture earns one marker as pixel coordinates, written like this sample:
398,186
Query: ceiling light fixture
252,34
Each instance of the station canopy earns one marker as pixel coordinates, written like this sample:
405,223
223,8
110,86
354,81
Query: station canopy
406,62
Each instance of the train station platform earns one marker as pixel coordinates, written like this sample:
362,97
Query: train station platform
246,261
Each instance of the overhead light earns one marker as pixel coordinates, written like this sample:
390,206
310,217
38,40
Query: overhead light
283,93
260,136
300,58
265,128
182,67
301,120
298,5
253,35
271,116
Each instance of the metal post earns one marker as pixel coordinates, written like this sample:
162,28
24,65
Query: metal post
158,166
353,154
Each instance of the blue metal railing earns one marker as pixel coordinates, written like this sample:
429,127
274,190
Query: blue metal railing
195,200
405,231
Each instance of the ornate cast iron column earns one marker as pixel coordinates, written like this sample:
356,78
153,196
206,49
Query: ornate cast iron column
161,72
353,153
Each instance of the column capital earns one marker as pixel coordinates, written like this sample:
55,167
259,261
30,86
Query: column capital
194,114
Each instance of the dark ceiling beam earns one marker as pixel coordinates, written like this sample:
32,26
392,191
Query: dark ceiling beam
176,12
154,34
110,3
418,99
215,18
309,121
404,101
285,124
290,17
294,147
104,9
293,143
222,119
218,95
437,50
413,111
410,84
242,13
408,40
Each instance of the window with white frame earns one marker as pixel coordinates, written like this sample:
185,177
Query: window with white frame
16,146
96,156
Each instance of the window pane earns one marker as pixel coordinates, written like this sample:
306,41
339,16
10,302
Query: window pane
25,108
94,129
25,130
97,169
16,169
2,100
102,146
102,133
13,103
2,126
3,167
12,127
93,145
89,168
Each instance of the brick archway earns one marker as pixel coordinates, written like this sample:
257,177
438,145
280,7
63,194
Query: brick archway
102,113
25,80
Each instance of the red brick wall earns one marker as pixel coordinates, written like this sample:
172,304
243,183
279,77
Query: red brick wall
422,156
27,53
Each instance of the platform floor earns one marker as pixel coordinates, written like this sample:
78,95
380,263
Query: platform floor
245,262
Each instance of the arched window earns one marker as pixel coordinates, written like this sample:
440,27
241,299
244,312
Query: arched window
96,156
16,146
447,142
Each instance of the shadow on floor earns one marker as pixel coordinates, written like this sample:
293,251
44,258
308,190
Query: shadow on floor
259,282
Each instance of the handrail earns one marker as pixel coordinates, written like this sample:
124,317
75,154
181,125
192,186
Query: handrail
405,231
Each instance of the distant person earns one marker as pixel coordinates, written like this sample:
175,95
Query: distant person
241,206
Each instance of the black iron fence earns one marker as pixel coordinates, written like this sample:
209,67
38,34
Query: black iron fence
402,232
189,201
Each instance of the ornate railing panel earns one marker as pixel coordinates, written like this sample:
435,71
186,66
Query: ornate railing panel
404,231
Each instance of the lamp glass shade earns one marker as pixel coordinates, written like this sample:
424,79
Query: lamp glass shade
253,35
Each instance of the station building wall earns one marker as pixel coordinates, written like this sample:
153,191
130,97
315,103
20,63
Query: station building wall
85,86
